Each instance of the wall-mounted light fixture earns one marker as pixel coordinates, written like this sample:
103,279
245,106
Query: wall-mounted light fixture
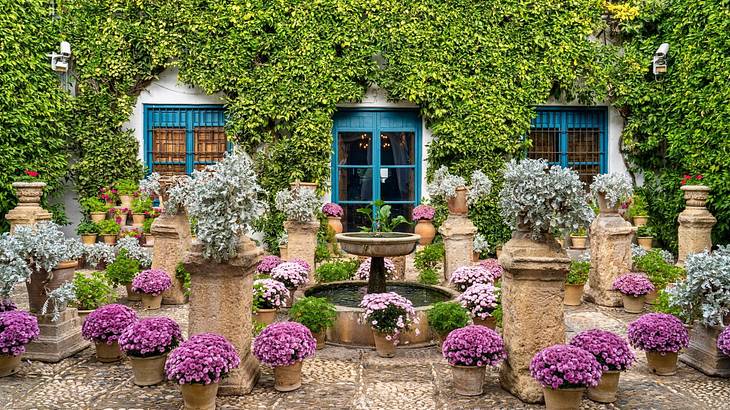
59,62
659,63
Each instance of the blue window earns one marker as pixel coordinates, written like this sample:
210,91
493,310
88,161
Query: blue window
574,137
376,155
181,138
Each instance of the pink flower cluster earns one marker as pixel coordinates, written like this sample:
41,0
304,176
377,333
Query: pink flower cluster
465,276
283,344
423,213
17,329
723,341
493,266
565,366
388,313
633,284
363,271
658,332
269,293
152,336
480,299
291,274
268,263
105,324
333,210
611,350
303,263
473,346
203,359
151,282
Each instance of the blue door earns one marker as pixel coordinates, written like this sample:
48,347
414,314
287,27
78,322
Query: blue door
376,154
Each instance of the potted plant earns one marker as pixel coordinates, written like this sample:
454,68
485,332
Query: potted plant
284,346
388,314
695,190
469,350
336,270
564,372
103,327
198,365
150,284
443,317
633,287
363,270
91,292
28,187
141,205
575,281
465,276
87,230
267,263
481,299
661,336
109,194
268,296
17,329
292,275
299,204
637,211
658,265
423,216
149,238
613,354
108,230
317,314
95,207
147,343
119,215
122,271
126,189
334,213
479,247
723,342
578,238
453,189
610,190
645,236
99,255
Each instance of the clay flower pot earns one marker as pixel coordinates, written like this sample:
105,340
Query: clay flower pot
607,388
425,228
578,242
603,205
151,302
265,316
199,396
662,364
320,337
149,239
383,346
335,223
645,242
489,322
108,353
640,221
41,283
132,295
98,216
148,371
468,380
563,399
88,239
109,239
288,378
9,364
284,252
651,297
573,295
457,204
633,304
126,201
137,220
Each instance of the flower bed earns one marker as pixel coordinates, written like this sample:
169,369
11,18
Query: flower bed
106,324
611,350
474,346
291,274
152,282
480,299
283,344
633,284
17,329
465,276
565,366
152,336
203,359
658,332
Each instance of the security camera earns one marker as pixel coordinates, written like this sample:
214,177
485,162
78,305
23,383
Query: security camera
59,62
60,66
659,63
65,49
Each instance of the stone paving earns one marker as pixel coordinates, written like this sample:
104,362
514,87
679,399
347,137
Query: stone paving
341,378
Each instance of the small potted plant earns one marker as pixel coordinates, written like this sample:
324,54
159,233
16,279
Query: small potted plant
579,238
103,327
17,329
564,372
454,190
267,263
317,314
480,247
469,350
126,189
645,236
122,271
444,317
150,284
292,275
493,267
268,296
95,207
637,211
299,204
109,194
284,346
481,299
465,276
614,355
661,336
575,281
149,238
198,365
88,231
611,190
423,216
363,271
141,205
119,215
695,190
334,213
388,314
91,292
147,343
634,287
108,230
658,265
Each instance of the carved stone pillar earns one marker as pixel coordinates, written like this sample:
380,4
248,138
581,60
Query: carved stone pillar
611,237
172,241
695,223
28,211
458,233
302,242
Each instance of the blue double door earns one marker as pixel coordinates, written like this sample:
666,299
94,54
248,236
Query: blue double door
376,155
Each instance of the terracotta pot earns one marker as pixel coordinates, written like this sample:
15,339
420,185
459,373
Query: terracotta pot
98,216
573,295
288,378
640,221
489,322
28,192
110,203
457,205
265,316
148,371
88,239
651,297
468,380
603,204
9,364
695,196
137,220
563,399
427,231
199,396
383,346
320,337
607,388
151,302
633,304
132,295
108,353
289,300
578,242
126,201
335,223
42,283
645,242
475,256
122,219
662,364
109,239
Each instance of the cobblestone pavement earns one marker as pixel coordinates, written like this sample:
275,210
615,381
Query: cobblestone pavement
341,378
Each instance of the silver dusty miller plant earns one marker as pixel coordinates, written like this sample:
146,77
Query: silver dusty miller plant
99,253
13,268
615,185
59,298
481,186
543,198
150,185
44,246
638,251
298,204
480,244
177,194
444,184
134,251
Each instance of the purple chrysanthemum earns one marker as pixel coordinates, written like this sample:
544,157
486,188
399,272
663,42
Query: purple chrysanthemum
480,299
269,294
565,366
105,324
283,344
268,263
611,350
150,336
363,271
291,274
388,313
473,346
493,266
423,213
17,329
658,332
633,284
151,282
723,341
332,210
6,305
302,262
203,359
465,276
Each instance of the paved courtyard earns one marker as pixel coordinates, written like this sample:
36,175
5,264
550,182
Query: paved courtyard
340,378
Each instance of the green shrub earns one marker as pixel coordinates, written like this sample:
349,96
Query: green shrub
141,204
659,271
92,291
343,269
578,273
122,270
87,228
147,225
662,305
183,276
497,315
638,206
108,227
127,187
444,317
322,252
429,276
645,231
316,314
580,231
429,257
93,204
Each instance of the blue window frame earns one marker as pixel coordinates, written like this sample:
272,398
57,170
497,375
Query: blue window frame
574,137
362,174
181,138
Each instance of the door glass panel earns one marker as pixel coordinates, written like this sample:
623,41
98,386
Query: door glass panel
355,184
351,219
355,148
405,210
397,184
397,148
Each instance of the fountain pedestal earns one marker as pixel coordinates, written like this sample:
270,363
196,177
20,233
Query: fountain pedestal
302,242
458,232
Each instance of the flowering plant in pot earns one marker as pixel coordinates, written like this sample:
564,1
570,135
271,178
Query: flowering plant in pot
109,194
94,207
268,296
17,329
614,355
91,292
443,317
481,299
661,336
469,350
317,314
493,266
103,327
198,365
334,213
284,346
363,271
564,371
574,282
611,189
147,343
634,287
108,230
150,284
127,189
423,216
480,246
637,211
141,205
723,341
578,238
298,204
465,276
658,266
87,231
292,275
388,314
267,263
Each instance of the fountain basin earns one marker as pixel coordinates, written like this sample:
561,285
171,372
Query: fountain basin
346,296
380,244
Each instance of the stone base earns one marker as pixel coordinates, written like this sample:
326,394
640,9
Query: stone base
172,240
611,237
302,242
58,340
458,233
694,234
702,352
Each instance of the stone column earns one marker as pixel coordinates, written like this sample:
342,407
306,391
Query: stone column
172,241
302,242
221,302
28,211
695,223
532,305
458,232
611,237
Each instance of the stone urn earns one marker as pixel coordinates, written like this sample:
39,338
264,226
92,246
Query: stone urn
702,352
603,204
457,204
42,283
29,192
695,196
425,228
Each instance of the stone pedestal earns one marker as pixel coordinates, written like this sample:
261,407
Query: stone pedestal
58,340
28,211
458,233
172,241
302,242
611,237
702,352
532,305
695,223
221,302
